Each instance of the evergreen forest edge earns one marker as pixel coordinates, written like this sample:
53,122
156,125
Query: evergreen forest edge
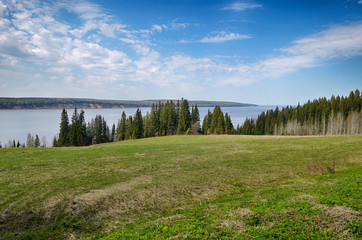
334,116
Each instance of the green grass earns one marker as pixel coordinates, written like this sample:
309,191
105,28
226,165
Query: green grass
208,187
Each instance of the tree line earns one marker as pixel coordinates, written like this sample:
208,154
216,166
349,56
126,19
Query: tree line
31,141
164,119
334,116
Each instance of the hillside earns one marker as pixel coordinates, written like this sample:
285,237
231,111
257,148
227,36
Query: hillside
203,187
59,103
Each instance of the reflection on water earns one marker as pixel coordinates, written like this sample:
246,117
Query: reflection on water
16,124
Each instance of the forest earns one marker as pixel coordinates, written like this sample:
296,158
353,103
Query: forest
334,116
84,103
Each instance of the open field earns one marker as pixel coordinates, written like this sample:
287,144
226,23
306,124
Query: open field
209,187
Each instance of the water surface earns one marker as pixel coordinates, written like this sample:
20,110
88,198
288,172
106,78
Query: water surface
16,124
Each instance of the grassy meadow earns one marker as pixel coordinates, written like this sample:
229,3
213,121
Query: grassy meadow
185,187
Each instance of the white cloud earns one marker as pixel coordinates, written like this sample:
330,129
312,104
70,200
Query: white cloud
360,2
239,6
220,37
338,42
33,39
157,28
224,37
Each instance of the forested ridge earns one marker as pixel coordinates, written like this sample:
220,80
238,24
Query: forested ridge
83,103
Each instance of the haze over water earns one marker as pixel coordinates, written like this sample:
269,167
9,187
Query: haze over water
16,124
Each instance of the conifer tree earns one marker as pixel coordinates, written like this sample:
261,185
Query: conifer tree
137,125
122,127
113,134
195,115
64,129
172,119
129,128
184,122
55,142
37,141
83,139
229,128
74,129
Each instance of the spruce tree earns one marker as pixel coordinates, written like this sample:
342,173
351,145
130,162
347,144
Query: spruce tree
37,141
74,129
195,115
229,128
164,119
172,119
83,139
184,121
122,127
64,129
138,125
113,134
55,142
129,128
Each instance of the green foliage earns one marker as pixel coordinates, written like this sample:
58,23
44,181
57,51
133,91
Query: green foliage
184,120
337,116
36,142
121,132
64,129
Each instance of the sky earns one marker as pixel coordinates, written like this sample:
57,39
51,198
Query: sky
252,51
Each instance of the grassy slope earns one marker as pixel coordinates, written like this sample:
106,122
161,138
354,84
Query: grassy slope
185,186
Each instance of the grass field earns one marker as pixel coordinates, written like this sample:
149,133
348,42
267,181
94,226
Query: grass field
185,187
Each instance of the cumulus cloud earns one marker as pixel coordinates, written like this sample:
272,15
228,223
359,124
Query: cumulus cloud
33,39
240,6
337,42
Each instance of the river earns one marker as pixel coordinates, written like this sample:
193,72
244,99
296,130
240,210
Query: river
16,124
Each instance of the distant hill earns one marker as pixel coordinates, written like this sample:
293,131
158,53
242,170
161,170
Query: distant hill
83,103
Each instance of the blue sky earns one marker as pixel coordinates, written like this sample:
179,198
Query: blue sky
263,52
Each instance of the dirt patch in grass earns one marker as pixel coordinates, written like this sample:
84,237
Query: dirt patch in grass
341,213
95,198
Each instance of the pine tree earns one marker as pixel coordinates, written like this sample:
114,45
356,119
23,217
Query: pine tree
154,121
229,128
172,119
220,127
195,115
74,129
64,129
83,139
217,125
164,119
184,122
138,125
122,127
37,141
55,142
129,128
113,134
